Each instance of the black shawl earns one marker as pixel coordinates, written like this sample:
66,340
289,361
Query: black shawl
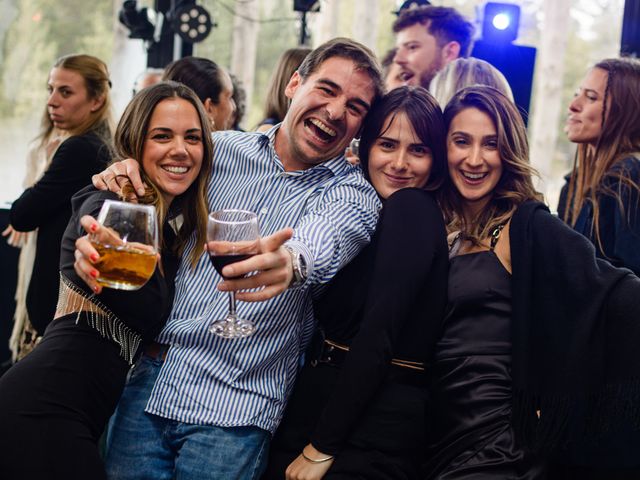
576,332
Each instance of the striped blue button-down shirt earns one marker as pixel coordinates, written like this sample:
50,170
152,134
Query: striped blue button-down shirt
231,382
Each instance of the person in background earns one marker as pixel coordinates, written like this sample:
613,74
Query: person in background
211,83
277,103
149,77
601,200
240,100
56,401
359,403
464,72
536,325
201,403
76,135
427,39
38,160
391,71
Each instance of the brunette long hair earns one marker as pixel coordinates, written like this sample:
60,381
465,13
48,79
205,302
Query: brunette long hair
619,138
515,185
130,138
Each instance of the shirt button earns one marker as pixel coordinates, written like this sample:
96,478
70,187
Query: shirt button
264,211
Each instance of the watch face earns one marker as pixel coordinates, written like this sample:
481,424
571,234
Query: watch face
303,266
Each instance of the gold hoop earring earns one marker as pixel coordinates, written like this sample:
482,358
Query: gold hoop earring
212,123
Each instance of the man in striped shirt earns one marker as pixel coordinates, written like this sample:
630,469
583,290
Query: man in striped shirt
202,406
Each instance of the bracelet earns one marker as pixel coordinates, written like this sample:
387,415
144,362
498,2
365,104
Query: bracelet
320,460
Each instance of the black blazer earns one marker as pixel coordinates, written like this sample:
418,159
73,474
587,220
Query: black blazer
46,206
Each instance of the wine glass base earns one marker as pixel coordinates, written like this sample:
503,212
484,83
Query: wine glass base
232,328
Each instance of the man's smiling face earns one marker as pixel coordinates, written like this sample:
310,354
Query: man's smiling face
326,112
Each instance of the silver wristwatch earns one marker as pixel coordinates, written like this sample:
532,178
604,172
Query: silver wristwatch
299,264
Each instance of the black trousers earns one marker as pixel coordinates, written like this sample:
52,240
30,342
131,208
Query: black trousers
387,443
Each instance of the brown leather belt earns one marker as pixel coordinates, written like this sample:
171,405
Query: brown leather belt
157,351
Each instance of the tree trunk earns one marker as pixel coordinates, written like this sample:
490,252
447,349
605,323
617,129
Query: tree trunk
548,92
244,44
326,23
365,22
9,10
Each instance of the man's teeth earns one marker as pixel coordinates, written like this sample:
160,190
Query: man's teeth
176,169
323,127
474,176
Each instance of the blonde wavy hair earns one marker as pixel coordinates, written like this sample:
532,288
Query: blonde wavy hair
95,74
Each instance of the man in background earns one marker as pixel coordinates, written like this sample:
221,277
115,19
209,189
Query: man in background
427,39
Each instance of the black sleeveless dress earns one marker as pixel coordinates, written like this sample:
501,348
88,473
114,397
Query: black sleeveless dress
470,382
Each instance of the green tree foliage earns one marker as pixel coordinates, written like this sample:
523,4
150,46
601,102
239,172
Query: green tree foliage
43,31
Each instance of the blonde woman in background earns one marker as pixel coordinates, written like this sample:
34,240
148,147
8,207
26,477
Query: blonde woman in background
73,145
465,72
277,103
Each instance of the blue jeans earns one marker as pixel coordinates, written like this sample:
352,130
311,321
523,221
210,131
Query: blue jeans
144,446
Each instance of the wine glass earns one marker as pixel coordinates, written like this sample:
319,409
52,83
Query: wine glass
127,244
233,236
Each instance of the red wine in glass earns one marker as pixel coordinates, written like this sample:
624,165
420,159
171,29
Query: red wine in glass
221,261
232,236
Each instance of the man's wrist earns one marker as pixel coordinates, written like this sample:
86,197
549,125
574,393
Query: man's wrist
299,267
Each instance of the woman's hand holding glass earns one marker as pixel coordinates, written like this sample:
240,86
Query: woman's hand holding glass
122,248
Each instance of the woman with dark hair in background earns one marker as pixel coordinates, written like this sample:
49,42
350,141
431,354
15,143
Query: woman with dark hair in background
79,112
601,200
357,410
212,85
55,403
277,103
536,325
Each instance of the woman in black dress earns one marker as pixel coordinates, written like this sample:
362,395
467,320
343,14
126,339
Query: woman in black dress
79,110
54,404
357,410
519,347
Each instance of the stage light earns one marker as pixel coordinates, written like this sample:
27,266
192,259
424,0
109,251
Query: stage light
500,23
192,22
306,6
139,22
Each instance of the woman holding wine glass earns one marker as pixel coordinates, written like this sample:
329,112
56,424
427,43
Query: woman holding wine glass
536,324
358,406
58,399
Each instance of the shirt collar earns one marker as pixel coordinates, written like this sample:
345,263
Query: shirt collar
337,165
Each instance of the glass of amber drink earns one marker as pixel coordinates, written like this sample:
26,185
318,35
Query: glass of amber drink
127,244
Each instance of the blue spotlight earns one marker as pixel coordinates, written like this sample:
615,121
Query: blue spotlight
500,23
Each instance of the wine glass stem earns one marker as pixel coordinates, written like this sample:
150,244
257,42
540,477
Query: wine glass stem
232,304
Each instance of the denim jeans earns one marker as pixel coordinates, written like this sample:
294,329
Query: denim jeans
142,446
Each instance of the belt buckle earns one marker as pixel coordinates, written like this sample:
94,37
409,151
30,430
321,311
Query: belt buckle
324,356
